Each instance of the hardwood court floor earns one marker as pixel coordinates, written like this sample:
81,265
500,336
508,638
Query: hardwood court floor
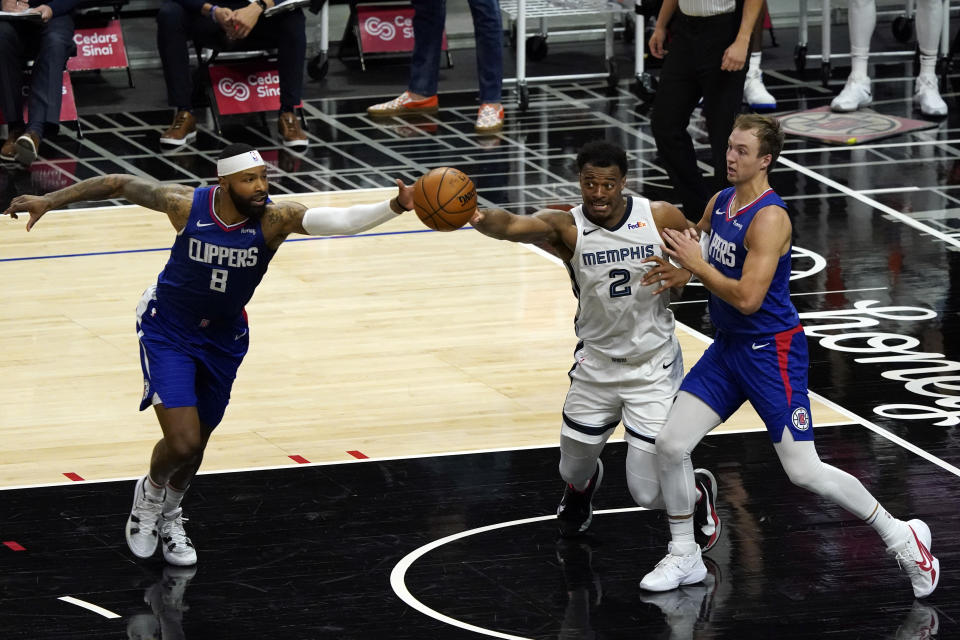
400,341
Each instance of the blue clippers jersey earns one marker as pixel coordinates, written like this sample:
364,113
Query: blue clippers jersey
213,268
727,254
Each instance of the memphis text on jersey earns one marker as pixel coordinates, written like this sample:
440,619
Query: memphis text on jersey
610,256
208,253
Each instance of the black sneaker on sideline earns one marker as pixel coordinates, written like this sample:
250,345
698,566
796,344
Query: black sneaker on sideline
575,512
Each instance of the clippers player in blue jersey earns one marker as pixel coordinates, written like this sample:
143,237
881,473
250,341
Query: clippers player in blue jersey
627,364
191,324
759,354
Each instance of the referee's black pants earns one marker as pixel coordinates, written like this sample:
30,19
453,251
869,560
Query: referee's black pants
691,70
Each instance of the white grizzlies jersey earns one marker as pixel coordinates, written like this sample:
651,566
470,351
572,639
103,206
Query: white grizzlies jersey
616,314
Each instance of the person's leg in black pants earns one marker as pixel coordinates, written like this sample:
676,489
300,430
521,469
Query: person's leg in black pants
285,32
46,79
677,97
722,98
176,29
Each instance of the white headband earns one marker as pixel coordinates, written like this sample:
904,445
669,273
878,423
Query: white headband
239,162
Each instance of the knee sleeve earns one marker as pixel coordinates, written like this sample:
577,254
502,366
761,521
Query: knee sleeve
578,461
643,479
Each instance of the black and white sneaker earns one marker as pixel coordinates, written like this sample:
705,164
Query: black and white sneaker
575,512
706,520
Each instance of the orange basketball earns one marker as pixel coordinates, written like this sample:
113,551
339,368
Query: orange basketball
444,198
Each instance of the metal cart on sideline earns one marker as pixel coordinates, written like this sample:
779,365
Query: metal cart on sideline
536,44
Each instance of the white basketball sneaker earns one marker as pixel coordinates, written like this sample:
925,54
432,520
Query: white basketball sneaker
926,96
755,93
674,571
141,529
914,556
856,93
177,547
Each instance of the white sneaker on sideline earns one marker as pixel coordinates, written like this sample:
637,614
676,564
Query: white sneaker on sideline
914,556
141,529
674,571
926,96
177,547
855,94
755,93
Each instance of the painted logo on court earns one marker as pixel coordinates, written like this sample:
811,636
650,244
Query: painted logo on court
800,419
233,89
847,128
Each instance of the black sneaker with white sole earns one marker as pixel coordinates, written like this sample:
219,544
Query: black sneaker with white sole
575,512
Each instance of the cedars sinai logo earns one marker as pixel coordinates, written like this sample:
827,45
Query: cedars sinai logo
233,89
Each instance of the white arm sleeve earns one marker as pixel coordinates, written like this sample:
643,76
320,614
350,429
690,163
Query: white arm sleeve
705,245
344,221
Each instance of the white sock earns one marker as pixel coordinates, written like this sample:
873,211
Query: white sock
862,21
172,501
890,529
681,534
754,68
858,62
928,65
152,489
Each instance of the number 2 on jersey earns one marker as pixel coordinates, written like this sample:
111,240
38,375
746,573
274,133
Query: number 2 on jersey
620,286
218,280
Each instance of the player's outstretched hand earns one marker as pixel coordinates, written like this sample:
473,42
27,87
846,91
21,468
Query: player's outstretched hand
404,195
476,220
683,247
664,274
35,206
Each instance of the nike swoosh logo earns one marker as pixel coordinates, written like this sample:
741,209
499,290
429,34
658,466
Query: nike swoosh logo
927,563
718,212
759,346
668,365
241,334
586,233
202,224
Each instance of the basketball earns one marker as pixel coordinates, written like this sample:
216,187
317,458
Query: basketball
444,199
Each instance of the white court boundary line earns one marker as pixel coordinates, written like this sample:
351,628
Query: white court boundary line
400,570
916,224
106,613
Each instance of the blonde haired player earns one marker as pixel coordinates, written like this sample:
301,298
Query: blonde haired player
627,365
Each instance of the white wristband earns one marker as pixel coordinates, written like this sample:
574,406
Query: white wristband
342,221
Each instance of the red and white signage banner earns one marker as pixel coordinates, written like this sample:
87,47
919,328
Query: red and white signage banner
99,48
246,87
387,28
68,107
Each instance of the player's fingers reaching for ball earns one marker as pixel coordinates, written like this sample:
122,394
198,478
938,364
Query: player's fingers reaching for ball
405,195
477,218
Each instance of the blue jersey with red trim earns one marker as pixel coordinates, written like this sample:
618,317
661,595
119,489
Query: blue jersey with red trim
727,254
213,267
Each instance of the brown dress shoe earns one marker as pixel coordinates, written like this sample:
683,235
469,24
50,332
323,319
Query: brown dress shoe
27,147
290,132
182,131
8,152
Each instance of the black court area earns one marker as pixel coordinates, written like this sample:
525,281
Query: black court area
464,545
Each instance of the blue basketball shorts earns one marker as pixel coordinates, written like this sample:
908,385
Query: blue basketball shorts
768,370
188,368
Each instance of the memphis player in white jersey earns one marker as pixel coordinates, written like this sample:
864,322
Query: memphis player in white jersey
759,354
627,364
192,325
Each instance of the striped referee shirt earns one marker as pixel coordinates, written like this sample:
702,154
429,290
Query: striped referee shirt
705,8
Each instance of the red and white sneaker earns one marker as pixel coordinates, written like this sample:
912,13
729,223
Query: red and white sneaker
706,520
402,104
489,118
914,556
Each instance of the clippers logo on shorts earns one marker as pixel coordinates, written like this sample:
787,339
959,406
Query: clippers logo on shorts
800,419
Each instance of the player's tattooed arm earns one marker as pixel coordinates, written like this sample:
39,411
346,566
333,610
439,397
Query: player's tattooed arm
280,220
174,200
